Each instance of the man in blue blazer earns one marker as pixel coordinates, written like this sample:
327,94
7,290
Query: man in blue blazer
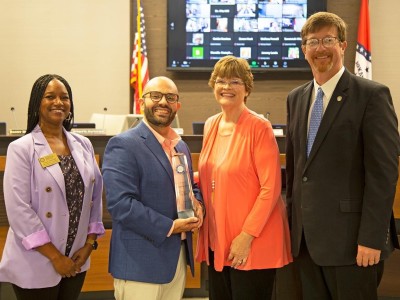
150,245
341,187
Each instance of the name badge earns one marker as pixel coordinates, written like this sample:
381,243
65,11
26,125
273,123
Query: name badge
49,160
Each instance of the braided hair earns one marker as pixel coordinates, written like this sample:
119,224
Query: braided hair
38,89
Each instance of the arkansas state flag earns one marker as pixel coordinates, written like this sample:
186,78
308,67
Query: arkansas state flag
363,65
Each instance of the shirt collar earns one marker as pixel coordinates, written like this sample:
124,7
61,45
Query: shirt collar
172,137
329,86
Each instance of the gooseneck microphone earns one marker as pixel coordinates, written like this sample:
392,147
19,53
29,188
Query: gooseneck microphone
134,123
104,117
12,109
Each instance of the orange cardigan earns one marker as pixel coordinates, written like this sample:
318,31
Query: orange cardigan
247,195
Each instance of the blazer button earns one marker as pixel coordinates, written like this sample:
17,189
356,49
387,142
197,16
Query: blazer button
49,215
93,180
305,179
48,189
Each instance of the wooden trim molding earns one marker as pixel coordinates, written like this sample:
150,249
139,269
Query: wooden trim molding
2,163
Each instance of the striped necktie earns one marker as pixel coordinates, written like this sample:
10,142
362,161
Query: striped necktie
315,120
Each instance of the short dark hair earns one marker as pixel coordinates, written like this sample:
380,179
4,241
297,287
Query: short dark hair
38,89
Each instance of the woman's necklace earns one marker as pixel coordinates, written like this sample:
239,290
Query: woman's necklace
220,147
214,168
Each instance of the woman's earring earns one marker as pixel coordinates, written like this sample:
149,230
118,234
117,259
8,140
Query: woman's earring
69,116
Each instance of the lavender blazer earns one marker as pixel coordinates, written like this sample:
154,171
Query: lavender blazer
37,210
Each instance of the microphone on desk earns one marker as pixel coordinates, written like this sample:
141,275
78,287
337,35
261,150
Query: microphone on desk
16,130
104,118
12,109
134,123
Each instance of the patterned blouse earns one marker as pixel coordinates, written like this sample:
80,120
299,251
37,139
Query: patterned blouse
74,189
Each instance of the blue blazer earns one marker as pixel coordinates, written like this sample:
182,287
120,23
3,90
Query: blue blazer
141,199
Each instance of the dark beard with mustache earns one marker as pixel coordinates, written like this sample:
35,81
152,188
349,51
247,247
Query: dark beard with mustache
157,121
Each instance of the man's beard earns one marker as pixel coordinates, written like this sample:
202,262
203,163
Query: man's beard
158,121
322,68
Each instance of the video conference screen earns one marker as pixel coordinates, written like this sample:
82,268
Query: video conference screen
265,32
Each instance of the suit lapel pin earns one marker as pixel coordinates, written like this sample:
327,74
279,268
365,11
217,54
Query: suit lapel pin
339,98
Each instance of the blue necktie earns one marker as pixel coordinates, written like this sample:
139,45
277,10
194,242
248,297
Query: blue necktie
315,119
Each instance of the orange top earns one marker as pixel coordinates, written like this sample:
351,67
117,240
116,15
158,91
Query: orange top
247,194
217,155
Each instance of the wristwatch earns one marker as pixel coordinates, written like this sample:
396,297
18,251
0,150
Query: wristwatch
93,243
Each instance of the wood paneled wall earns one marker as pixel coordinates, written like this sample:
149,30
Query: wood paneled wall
271,89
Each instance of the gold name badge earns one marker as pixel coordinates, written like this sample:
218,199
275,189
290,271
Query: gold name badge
49,160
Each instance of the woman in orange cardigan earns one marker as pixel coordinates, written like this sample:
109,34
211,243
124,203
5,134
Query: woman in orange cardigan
245,235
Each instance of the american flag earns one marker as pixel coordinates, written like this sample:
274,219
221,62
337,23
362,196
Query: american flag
139,69
363,64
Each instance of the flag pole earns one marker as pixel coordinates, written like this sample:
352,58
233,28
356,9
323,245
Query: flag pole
139,33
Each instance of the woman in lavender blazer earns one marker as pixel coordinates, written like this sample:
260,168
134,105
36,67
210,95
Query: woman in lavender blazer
52,191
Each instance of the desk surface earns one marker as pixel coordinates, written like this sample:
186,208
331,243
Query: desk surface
99,142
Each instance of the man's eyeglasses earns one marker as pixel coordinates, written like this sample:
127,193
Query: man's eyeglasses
157,96
327,42
232,83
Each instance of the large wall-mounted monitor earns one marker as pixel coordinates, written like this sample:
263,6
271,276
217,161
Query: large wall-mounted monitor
266,33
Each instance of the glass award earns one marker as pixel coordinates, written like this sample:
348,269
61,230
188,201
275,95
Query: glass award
183,186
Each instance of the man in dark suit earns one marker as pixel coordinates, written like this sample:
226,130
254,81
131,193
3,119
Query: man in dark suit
150,245
342,148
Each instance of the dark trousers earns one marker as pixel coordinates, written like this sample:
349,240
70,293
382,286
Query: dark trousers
336,282
233,284
67,289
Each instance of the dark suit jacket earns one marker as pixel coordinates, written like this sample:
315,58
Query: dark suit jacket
141,199
342,195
